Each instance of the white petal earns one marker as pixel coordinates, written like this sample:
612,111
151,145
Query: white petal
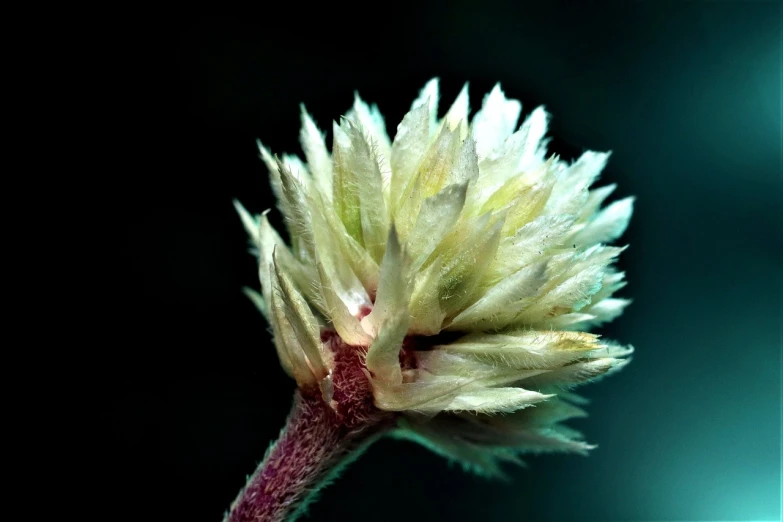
457,115
608,309
466,167
495,121
495,400
608,225
373,124
250,223
570,192
484,372
578,373
572,295
534,148
531,242
274,174
318,158
428,97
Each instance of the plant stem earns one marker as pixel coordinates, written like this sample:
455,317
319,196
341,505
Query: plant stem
315,444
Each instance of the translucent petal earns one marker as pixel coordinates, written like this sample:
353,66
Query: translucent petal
429,97
426,315
346,183
345,322
607,309
410,145
318,157
570,192
495,400
497,307
467,253
577,373
290,351
257,300
394,286
608,225
372,123
526,349
437,216
457,115
495,121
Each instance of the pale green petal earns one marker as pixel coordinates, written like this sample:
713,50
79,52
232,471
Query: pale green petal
344,321
526,349
318,157
346,183
437,216
482,460
383,357
303,323
374,126
426,315
334,272
499,305
459,228
335,245
410,145
289,350
363,169
394,286
297,215
466,255
274,174
257,300
424,396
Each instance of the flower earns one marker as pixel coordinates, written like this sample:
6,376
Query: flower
454,271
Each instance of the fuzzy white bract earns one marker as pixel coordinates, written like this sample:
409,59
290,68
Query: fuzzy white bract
461,233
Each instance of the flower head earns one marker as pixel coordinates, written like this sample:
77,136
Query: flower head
454,271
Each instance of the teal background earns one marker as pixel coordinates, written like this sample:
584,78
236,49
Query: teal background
686,95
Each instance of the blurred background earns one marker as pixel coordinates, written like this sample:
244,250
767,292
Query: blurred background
687,95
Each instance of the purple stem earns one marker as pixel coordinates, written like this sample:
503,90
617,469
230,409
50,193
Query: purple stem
313,446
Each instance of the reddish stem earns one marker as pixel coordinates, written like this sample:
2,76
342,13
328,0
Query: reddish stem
318,440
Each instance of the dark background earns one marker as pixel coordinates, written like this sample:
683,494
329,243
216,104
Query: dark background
687,95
